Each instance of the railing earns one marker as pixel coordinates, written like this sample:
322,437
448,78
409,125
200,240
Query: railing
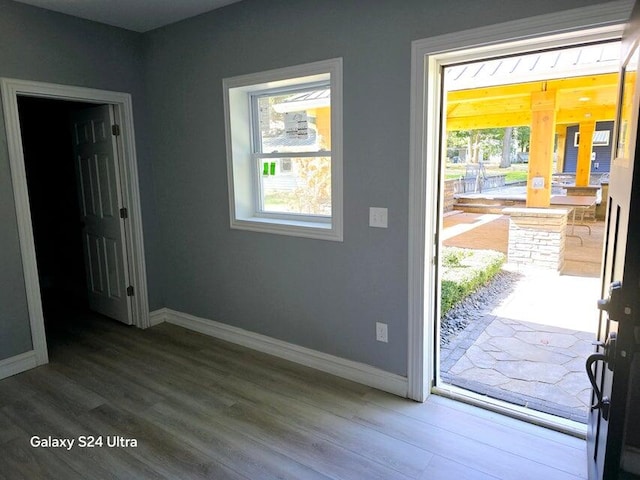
460,185
475,185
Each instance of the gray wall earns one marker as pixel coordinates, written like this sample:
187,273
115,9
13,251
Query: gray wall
49,47
319,294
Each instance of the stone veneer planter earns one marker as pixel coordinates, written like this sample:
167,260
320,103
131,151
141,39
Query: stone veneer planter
537,237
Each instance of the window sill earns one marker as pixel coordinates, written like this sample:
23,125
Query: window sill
294,228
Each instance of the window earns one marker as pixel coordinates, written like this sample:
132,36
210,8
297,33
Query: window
284,150
600,138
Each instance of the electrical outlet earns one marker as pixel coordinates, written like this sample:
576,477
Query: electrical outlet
382,334
378,217
537,183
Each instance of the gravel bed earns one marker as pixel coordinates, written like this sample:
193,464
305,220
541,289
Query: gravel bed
476,305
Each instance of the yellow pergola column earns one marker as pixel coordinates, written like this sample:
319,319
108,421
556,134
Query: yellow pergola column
561,131
585,147
543,129
323,124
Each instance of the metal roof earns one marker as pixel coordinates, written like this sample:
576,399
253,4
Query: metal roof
548,65
305,100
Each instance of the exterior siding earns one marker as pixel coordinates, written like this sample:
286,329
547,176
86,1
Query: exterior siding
602,163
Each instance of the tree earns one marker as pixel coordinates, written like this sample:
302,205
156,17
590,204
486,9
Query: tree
313,196
523,137
480,144
505,162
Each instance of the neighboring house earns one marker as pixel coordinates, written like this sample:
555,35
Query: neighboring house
601,156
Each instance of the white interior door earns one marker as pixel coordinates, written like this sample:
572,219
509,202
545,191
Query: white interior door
103,236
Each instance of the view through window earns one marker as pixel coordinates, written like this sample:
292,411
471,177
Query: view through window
295,125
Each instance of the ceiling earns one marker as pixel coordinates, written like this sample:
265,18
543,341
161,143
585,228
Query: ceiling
136,15
497,93
578,99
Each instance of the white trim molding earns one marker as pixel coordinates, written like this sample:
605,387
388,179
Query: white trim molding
18,363
340,367
244,209
577,26
11,89
158,316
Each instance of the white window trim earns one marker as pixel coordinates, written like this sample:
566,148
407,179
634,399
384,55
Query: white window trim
576,139
238,135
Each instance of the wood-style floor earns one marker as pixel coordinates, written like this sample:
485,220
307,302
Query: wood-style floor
202,408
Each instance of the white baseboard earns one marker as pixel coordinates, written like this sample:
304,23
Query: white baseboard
631,460
354,371
18,364
158,316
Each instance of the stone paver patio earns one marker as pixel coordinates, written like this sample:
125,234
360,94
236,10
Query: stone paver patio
531,348
536,366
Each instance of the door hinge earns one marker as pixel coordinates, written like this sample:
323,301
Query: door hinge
124,213
115,130
130,291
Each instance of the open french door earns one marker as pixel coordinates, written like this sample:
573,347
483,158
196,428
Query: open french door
609,369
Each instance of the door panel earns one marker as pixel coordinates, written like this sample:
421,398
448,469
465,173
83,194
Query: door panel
609,366
99,190
94,263
114,273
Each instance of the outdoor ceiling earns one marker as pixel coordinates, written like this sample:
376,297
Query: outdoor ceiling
497,92
136,15
578,99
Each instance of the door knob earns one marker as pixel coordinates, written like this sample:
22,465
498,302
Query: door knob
608,357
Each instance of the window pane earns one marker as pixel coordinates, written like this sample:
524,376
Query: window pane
296,185
295,122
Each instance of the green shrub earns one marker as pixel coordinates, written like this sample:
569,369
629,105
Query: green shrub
464,271
453,257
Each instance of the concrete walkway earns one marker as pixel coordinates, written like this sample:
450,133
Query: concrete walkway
531,348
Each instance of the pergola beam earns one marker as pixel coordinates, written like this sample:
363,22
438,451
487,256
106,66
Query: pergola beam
519,89
518,119
578,99
497,120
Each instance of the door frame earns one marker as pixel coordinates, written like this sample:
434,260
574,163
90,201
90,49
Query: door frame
121,102
594,23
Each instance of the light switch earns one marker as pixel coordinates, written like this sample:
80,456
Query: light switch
378,217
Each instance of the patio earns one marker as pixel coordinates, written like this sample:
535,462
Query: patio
530,346
522,350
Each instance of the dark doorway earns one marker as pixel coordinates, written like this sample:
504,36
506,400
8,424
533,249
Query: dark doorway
55,213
